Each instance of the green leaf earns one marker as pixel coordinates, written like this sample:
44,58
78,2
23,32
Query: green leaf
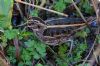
35,13
36,55
62,51
85,7
12,59
11,54
25,55
6,7
30,43
86,64
20,64
87,30
60,6
4,41
36,49
11,51
83,47
11,34
61,62
81,33
68,1
98,38
39,64
28,63
25,34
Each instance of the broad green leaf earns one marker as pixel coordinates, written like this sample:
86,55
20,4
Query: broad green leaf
6,7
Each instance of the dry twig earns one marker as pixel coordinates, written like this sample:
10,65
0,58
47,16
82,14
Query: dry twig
78,10
39,7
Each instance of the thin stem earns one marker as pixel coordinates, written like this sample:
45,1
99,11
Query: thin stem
80,14
63,26
19,10
39,7
89,53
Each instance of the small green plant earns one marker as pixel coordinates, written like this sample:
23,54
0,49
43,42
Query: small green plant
11,34
60,5
38,49
34,50
65,59
81,34
62,51
85,7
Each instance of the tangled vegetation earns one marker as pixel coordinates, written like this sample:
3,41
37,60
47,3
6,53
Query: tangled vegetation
20,46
